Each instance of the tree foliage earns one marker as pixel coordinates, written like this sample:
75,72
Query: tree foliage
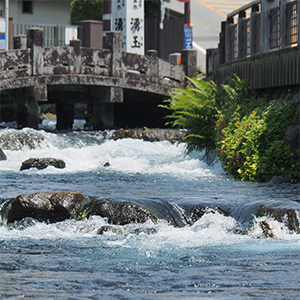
86,10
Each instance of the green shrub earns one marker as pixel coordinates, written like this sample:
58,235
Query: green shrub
86,10
252,148
243,127
195,109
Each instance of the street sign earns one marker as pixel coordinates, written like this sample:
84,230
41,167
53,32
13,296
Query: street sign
188,36
2,34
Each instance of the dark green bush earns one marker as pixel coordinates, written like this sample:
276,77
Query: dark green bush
86,10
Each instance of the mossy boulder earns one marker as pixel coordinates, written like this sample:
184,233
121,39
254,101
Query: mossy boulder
42,163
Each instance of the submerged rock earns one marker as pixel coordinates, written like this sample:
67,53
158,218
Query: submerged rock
266,229
42,163
278,180
117,213
107,228
194,213
289,214
151,135
2,155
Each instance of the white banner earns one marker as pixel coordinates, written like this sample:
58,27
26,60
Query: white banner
128,17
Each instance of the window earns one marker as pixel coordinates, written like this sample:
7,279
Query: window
27,7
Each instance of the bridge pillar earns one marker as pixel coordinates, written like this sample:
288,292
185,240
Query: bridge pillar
20,42
76,44
65,116
100,116
189,60
114,43
28,114
27,108
35,41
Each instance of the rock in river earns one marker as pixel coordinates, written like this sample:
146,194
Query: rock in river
2,155
56,207
42,163
289,214
43,206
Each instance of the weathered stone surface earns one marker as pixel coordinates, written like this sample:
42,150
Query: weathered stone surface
55,207
43,206
37,206
2,155
151,135
289,214
42,163
117,213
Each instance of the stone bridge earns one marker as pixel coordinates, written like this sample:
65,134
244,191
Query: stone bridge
117,87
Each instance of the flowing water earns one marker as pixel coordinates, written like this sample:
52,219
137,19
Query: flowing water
224,255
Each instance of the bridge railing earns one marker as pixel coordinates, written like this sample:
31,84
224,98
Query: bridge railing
259,27
268,32
31,58
15,64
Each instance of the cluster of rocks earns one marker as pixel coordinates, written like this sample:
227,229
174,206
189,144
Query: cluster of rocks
151,135
55,207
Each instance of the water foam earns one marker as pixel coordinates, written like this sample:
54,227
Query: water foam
88,152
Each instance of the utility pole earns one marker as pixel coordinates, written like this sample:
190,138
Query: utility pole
187,12
6,24
160,27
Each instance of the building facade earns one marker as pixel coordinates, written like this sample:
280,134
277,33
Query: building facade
38,11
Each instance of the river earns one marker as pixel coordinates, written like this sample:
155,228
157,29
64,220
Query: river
224,255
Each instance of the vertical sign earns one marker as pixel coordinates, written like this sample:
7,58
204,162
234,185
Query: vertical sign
128,17
71,33
2,33
188,36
